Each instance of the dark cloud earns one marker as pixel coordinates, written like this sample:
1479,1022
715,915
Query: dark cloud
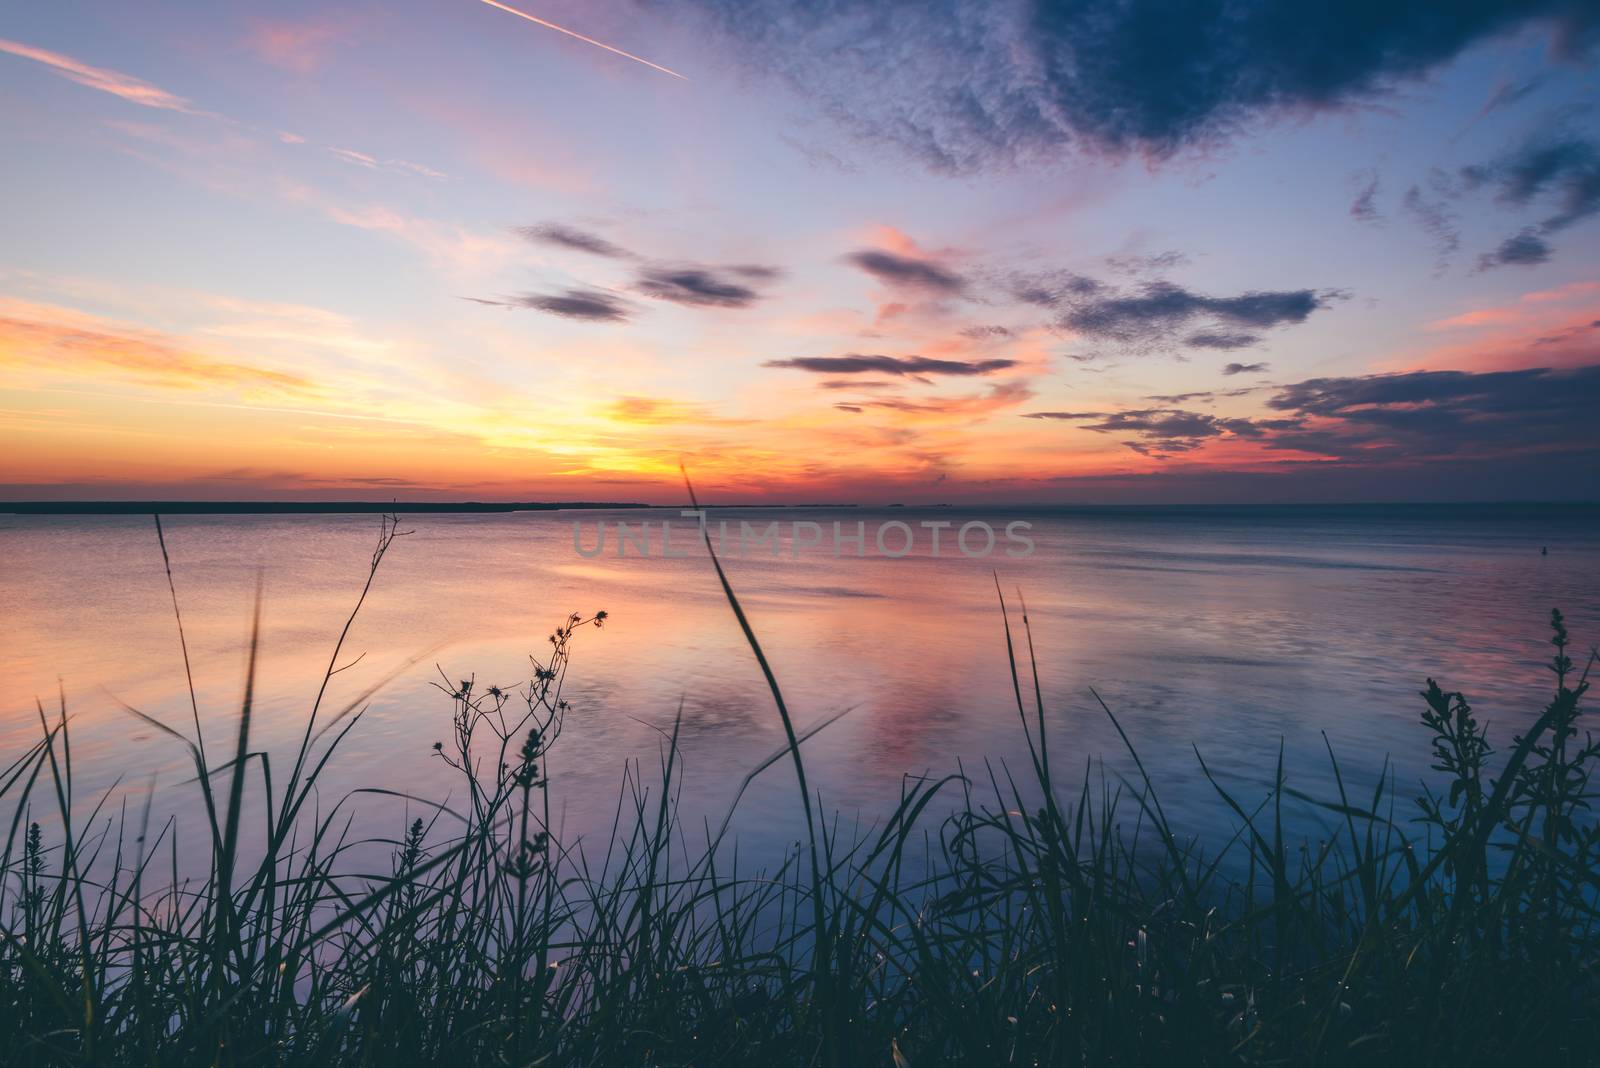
1524,249
1158,309
588,305
1050,289
1244,368
1567,167
570,237
907,271
1426,413
848,407
966,86
1221,341
756,272
1485,390
853,363
1388,419
986,333
1561,170
695,285
1163,432
1180,430
705,287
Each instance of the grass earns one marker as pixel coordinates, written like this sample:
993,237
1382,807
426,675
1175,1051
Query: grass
986,919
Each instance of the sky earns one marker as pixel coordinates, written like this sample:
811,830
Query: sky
1086,252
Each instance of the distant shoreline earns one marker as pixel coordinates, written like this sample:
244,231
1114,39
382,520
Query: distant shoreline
1440,509
289,507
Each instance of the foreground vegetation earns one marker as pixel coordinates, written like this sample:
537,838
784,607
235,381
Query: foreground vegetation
987,920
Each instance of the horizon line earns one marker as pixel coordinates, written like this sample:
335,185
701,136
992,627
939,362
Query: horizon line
146,506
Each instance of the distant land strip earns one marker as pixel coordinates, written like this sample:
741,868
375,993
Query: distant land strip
1532,511
289,507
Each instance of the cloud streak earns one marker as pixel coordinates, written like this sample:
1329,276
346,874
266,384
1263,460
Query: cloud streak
125,86
907,272
1001,396
372,163
1163,432
586,40
853,363
1223,341
584,305
57,340
697,286
660,411
570,237
1364,208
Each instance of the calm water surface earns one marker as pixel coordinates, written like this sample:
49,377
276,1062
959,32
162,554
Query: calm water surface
1226,631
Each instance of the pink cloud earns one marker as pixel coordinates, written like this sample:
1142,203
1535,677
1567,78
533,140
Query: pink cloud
297,46
125,86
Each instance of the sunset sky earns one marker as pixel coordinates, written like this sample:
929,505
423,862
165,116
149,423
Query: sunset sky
1092,252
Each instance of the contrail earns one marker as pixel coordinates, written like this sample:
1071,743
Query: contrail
585,40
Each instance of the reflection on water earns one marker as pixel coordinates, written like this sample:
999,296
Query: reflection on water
1224,631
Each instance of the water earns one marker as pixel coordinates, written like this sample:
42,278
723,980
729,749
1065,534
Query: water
1230,631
